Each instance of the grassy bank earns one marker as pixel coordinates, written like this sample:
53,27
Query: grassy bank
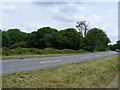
97,73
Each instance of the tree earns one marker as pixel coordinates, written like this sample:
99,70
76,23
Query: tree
68,39
96,39
0,38
115,46
82,27
44,37
5,39
19,44
15,35
31,41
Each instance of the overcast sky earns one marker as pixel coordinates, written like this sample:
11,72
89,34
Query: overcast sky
30,16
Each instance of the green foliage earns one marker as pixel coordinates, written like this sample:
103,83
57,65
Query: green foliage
50,51
33,51
96,39
5,39
44,37
64,51
115,46
19,44
48,37
6,51
0,38
81,51
68,39
15,35
100,48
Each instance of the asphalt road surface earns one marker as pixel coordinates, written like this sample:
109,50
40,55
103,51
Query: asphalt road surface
32,64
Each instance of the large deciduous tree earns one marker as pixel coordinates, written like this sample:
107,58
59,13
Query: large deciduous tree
96,39
5,39
68,39
15,36
43,38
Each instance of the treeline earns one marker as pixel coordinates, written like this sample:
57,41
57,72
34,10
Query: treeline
115,46
47,37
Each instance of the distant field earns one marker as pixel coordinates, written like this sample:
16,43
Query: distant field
97,73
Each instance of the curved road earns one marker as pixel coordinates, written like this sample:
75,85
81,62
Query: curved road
32,64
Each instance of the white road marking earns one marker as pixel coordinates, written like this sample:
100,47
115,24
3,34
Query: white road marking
51,61
83,57
43,58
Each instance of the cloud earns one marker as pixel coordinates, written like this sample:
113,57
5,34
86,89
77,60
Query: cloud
49,3
8,7
61,15
63,11
34,25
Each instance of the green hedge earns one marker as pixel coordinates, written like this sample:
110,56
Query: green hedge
34,51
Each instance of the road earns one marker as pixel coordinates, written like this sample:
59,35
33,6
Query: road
32,64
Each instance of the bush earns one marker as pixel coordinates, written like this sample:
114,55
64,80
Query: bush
31,51
80,51
20,51
19,44
100,48
67,51
34,51
50,51
6,51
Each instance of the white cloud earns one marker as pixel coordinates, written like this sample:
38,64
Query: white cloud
52,9
95,20
8,7
61,16
34,25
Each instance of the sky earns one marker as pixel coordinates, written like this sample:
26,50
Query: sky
30,16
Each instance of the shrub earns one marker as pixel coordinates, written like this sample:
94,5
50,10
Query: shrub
80,51
30,51
67,51
100,48
34,50
6,51
50,51
19,44
20,51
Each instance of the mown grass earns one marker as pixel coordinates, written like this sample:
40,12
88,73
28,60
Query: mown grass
97,73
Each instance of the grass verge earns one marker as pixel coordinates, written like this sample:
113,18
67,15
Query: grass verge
97,73
41,55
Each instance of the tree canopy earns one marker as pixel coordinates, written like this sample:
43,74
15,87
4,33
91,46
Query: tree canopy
68,39
47,37
96,39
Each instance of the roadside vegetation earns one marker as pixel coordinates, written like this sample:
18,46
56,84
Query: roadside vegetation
97,73
115,46
47,40
34,52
